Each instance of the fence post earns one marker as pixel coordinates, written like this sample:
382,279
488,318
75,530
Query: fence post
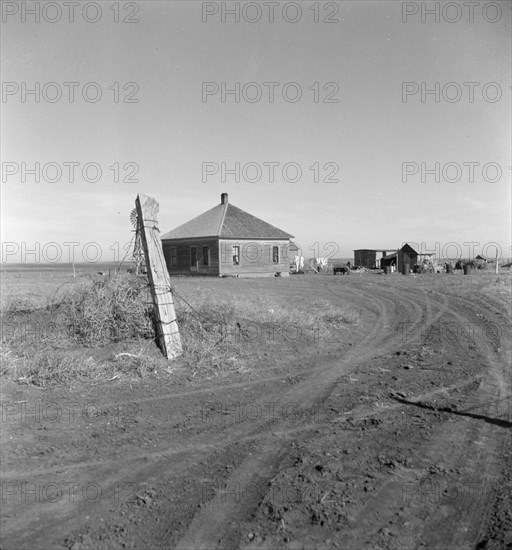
168,333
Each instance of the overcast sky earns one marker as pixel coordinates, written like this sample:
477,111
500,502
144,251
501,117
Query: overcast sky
171,123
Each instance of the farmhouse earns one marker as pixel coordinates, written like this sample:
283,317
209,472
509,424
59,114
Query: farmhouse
369,257
227,241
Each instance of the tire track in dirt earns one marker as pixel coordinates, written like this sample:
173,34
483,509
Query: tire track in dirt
217,392
110,473
260,466
487,439
221,518
198,449
468,449
210,527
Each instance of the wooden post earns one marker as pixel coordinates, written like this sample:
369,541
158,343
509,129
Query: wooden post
497,264
168,333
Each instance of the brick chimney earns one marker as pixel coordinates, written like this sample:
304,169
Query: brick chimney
224,198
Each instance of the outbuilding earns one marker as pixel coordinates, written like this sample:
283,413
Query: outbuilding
227,241
405,255
370,257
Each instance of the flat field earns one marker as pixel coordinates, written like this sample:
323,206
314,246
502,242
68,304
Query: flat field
361,411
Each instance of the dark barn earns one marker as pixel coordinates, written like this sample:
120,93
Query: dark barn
227,241
406,255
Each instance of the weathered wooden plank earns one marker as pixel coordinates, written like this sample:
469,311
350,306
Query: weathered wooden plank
166,324
313,268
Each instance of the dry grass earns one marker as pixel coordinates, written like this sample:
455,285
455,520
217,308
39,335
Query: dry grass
211,338
47,367
218,331
25,303
317,316
137,359
41,334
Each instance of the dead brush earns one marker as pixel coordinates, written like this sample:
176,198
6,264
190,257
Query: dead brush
108,310
219,333
140,362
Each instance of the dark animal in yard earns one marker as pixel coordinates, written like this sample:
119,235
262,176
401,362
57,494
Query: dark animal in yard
343,269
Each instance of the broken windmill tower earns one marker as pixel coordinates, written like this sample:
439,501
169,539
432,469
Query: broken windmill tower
138,253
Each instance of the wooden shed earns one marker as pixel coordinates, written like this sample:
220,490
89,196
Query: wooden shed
370,257
227,241
389,260
407,255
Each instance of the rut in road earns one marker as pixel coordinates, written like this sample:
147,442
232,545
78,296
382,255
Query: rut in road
211,527
482,444
474,449
216,521
144,464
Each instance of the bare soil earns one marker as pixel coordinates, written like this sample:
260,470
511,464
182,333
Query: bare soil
392,433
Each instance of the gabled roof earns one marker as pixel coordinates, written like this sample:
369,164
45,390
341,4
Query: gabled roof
407,247
229,222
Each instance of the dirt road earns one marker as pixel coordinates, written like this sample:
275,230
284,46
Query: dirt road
394,434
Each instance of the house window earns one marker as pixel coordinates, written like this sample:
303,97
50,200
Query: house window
236,255
275,254
174,256
206,255
193,256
